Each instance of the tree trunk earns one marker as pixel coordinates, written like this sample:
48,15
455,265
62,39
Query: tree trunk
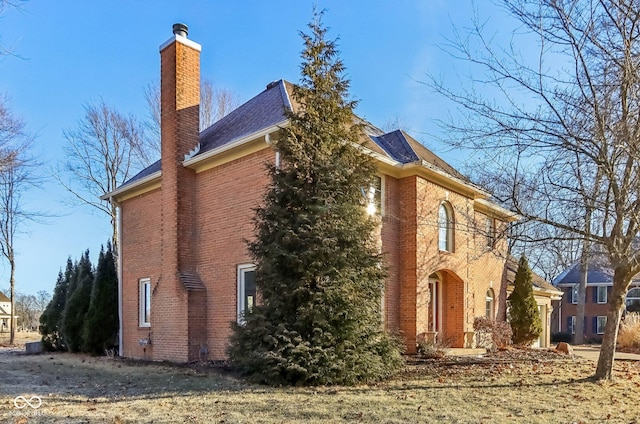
621,280
12,284
582,296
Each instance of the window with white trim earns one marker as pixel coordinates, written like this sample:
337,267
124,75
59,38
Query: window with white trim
445,227
489,304
602,294
246,289
601,323
574,294
572,325
144,296
374,196
490,229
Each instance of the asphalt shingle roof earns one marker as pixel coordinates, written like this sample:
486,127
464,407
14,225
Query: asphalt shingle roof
263,111
396,146
267,109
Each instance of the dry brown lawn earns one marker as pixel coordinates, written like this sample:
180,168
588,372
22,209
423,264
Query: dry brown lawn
21,338
538,389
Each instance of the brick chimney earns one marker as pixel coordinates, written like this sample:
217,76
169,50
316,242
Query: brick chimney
173,302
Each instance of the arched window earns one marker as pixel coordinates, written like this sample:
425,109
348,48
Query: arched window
633,300
445,228
489,304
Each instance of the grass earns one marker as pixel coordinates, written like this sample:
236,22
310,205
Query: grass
21,337
83,389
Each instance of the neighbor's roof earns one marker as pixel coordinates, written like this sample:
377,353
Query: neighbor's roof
4,298
267,110
599,272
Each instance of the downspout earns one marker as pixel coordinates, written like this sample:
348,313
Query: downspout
120,326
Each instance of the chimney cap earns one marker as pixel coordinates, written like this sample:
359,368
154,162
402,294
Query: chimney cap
180,29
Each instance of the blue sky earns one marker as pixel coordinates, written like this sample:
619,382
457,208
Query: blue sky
68,53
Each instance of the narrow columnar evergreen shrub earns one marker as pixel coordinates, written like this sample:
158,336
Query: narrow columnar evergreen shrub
51,318
101,323
524,316
319,272
78,299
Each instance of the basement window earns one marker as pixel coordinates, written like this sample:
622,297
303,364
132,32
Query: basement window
144,295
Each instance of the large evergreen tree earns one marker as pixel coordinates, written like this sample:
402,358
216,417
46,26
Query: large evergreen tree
524,315
78,299
101,323
51,318
318,270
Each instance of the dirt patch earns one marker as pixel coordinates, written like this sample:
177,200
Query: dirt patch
506,388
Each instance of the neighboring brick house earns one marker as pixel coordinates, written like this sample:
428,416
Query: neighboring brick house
185,272
599,284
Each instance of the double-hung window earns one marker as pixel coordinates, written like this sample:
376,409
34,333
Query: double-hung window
246,290
490,229
602,294
144,295
574,294
572,325
374,196
601,323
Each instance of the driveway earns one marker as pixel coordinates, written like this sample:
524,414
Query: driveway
591,352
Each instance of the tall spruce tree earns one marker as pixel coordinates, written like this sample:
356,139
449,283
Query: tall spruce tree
318,270
524,315
101,323
51,318
78,299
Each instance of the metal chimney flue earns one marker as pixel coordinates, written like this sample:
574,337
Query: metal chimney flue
181,30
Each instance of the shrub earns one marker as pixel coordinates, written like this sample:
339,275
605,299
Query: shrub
492,334
524,316
629,334
431,349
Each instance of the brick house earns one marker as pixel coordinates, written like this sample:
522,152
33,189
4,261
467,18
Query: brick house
185,272
599,284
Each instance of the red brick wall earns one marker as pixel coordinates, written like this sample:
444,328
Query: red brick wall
391,249
465,274
140,248
408,265
226,197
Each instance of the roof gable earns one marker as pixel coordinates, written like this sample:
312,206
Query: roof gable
4,298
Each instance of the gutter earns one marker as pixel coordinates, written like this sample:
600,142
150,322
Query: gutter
235,143
122,189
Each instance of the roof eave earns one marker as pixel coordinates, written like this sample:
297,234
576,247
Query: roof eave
113,195
195,160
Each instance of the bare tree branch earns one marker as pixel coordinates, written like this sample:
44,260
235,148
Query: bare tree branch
561,127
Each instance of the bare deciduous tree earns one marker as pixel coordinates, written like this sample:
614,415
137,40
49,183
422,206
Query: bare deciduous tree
564,126
215,103
16,176
103,151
